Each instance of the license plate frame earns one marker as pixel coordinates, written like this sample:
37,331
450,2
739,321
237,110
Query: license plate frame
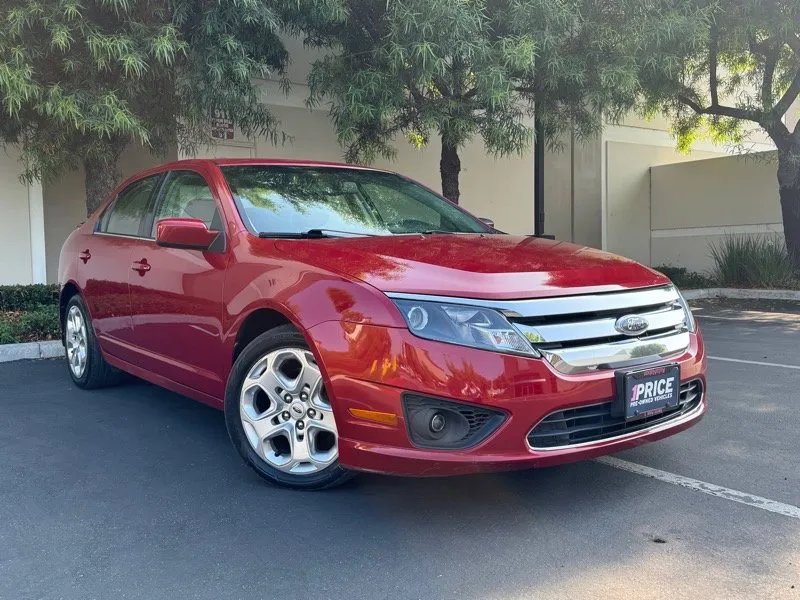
636,400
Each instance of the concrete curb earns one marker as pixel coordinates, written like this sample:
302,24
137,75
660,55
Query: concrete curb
30,351
741,294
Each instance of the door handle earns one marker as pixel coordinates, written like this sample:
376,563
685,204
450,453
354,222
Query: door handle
85,256
141,267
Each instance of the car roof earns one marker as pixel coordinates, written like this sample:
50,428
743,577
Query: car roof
227,162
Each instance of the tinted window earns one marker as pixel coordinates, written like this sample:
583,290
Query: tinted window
187,195
126,214
296,199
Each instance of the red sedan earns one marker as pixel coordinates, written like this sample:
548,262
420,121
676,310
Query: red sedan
351,319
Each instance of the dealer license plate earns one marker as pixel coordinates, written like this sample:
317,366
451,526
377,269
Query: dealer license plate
651,391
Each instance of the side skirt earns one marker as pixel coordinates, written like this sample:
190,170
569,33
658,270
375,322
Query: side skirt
164,382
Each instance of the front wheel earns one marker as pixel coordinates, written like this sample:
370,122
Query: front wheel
279,416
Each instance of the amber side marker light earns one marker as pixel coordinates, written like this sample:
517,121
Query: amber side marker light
374,416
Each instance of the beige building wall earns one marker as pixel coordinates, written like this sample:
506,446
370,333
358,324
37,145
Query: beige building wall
15,230
695,204
628,194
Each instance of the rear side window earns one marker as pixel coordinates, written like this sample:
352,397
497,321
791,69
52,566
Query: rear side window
187,195
125,215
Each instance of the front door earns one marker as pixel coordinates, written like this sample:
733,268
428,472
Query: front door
176,295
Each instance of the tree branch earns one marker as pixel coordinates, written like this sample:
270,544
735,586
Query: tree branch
712,64
787,99
794,43
770,61
722,111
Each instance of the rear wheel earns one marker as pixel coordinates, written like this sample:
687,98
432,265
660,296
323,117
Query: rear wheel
87,367
279,416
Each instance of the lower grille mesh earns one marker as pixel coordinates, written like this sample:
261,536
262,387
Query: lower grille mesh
595,423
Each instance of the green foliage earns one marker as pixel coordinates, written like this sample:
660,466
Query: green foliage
27,297
38,324
8,334
459,69
42,323
686,279
712,66
80,80
753,261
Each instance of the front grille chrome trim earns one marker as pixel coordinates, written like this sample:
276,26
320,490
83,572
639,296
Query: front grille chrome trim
659,320
626,353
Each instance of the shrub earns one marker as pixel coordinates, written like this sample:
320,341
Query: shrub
752,261
43,323
8,333
27,297
686,279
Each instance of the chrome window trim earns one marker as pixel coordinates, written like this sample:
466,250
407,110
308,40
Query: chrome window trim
559,305
122,235
616,354
619,438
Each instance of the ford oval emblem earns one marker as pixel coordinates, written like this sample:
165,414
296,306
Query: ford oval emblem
631,325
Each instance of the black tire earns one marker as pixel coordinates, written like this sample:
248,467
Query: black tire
97,373
285,336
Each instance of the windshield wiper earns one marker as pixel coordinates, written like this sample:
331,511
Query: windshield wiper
312,234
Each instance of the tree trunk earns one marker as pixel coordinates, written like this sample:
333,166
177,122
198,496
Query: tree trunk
789,187
101,176
449,168
790,207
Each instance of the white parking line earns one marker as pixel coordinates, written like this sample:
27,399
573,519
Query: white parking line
755,362
780,508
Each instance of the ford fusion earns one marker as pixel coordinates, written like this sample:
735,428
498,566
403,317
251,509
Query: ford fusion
349,319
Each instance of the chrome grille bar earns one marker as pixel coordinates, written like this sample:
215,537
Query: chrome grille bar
616,354
660,320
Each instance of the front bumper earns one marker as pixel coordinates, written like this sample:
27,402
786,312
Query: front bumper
369,368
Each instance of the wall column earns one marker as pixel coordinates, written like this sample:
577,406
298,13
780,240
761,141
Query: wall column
36,221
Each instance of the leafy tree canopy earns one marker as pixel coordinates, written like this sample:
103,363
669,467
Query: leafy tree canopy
80,79
717,67
458,69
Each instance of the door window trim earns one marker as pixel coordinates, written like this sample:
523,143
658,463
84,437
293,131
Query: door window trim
160,178
220,245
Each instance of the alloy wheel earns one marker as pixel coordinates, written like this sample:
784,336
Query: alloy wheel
286,414
76,340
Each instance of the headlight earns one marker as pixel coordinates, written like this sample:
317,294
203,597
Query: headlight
690,322
464,325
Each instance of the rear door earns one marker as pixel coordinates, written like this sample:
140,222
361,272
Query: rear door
105,262
176,299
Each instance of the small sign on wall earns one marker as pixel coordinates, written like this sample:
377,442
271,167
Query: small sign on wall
221,126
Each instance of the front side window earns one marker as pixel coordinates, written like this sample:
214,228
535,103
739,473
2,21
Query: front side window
128,211
299,199
187,195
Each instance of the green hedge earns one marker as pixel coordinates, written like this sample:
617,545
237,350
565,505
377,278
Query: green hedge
27,297
39,324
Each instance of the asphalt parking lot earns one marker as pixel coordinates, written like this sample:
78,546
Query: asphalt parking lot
135,492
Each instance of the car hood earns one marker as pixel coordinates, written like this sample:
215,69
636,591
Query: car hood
473,265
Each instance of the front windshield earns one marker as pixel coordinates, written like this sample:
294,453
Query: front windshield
298,199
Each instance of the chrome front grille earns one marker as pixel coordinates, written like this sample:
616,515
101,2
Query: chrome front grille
579,333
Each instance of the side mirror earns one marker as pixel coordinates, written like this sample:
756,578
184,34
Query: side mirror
486,221
190,234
